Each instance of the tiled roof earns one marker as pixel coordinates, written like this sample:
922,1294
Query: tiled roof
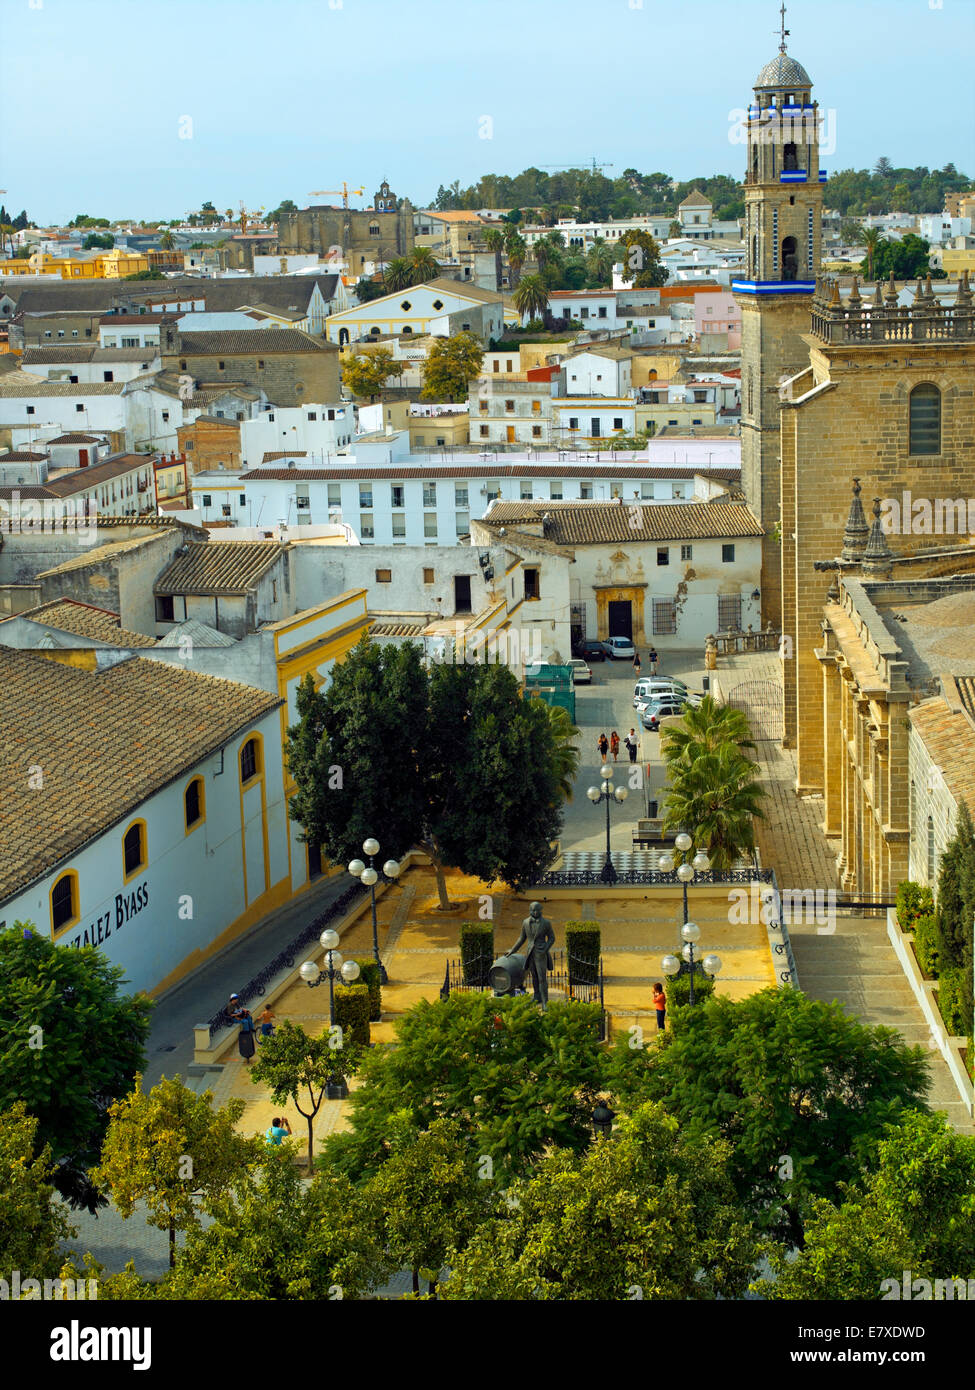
514,535
18,384
109,740
86,621
594,523
22,456
966,690
81,479
86,352
73,438
250,342
291,291
949,738
218,567
377,629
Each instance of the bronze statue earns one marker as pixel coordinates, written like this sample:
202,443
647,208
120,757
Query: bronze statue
539,938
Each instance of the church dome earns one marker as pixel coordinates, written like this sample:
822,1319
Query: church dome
783,71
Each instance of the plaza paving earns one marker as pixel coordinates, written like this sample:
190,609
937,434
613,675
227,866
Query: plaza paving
855,965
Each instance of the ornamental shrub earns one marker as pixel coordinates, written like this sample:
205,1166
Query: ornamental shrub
369,976
678,989
913,901
928,944
951,1001
476,951
583,945
352,1012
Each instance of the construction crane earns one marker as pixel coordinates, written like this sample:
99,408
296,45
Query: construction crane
345,190
245,217
607,164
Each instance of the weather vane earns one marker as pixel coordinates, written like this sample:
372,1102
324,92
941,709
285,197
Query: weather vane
784,32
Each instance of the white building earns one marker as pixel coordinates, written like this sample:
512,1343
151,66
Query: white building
581,235
669,575
598,371
314,429
154,856
439,307
85,363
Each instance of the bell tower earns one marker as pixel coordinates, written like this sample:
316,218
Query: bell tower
783,228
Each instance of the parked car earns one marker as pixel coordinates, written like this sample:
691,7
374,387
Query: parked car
590,650
620,648
690,697
657,686
581,674
660,709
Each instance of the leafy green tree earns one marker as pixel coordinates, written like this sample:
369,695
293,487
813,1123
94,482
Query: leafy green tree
514,1079
365,373
98,241
956,907
716,798
32,1227
451,365
800,1091
531,297
914,1209
476,781
907,258
274,1237
428,1196
286,205
641,260
297,1067
172,1150
70,1043
152,274
367,290
851,232
646,1210
883,168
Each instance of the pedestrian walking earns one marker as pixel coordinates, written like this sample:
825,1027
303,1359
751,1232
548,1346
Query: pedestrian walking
278,1130
631,744
636,662
652,658
614,745
603,745
246,1037
266,1019
660,1005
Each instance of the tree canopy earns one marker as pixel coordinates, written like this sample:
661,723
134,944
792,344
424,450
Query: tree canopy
70,1044
366,372
450,367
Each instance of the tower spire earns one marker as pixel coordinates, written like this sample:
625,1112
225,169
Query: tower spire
784,32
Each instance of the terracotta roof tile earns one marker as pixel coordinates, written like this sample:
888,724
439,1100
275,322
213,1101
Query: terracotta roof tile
104,746
595,523
84,620
218,567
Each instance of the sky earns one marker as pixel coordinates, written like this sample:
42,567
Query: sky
148,108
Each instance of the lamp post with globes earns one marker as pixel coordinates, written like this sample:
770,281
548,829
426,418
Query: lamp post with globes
607,793
686,872
672,967
336,1087
369,877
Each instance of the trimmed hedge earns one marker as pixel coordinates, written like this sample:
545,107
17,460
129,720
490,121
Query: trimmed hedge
678,989
913,901
352,1012
583,945
476,951
951,1001
928,944
369,976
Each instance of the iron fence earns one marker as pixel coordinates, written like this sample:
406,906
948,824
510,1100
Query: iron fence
579,978
562,878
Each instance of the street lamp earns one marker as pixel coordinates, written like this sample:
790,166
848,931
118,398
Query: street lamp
686,872
336,1087
369,877
606,793
602,1120
672,967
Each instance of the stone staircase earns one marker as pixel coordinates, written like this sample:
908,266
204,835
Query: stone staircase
856,966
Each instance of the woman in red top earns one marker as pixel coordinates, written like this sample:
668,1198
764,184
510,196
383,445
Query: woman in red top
660,1004
614,745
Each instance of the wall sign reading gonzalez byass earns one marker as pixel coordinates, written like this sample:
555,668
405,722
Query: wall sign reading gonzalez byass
127,905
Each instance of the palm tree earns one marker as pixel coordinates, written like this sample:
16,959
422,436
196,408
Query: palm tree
422,265
166,241
7,237
703,730
517,251
871,240
531,297
398,274
564,734
715,798
600,260
494,241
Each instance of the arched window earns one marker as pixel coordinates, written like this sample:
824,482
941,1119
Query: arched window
931,856
250,760
790,259
134,850
343,336
373,228
65,907
194,804
789,158
925,420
